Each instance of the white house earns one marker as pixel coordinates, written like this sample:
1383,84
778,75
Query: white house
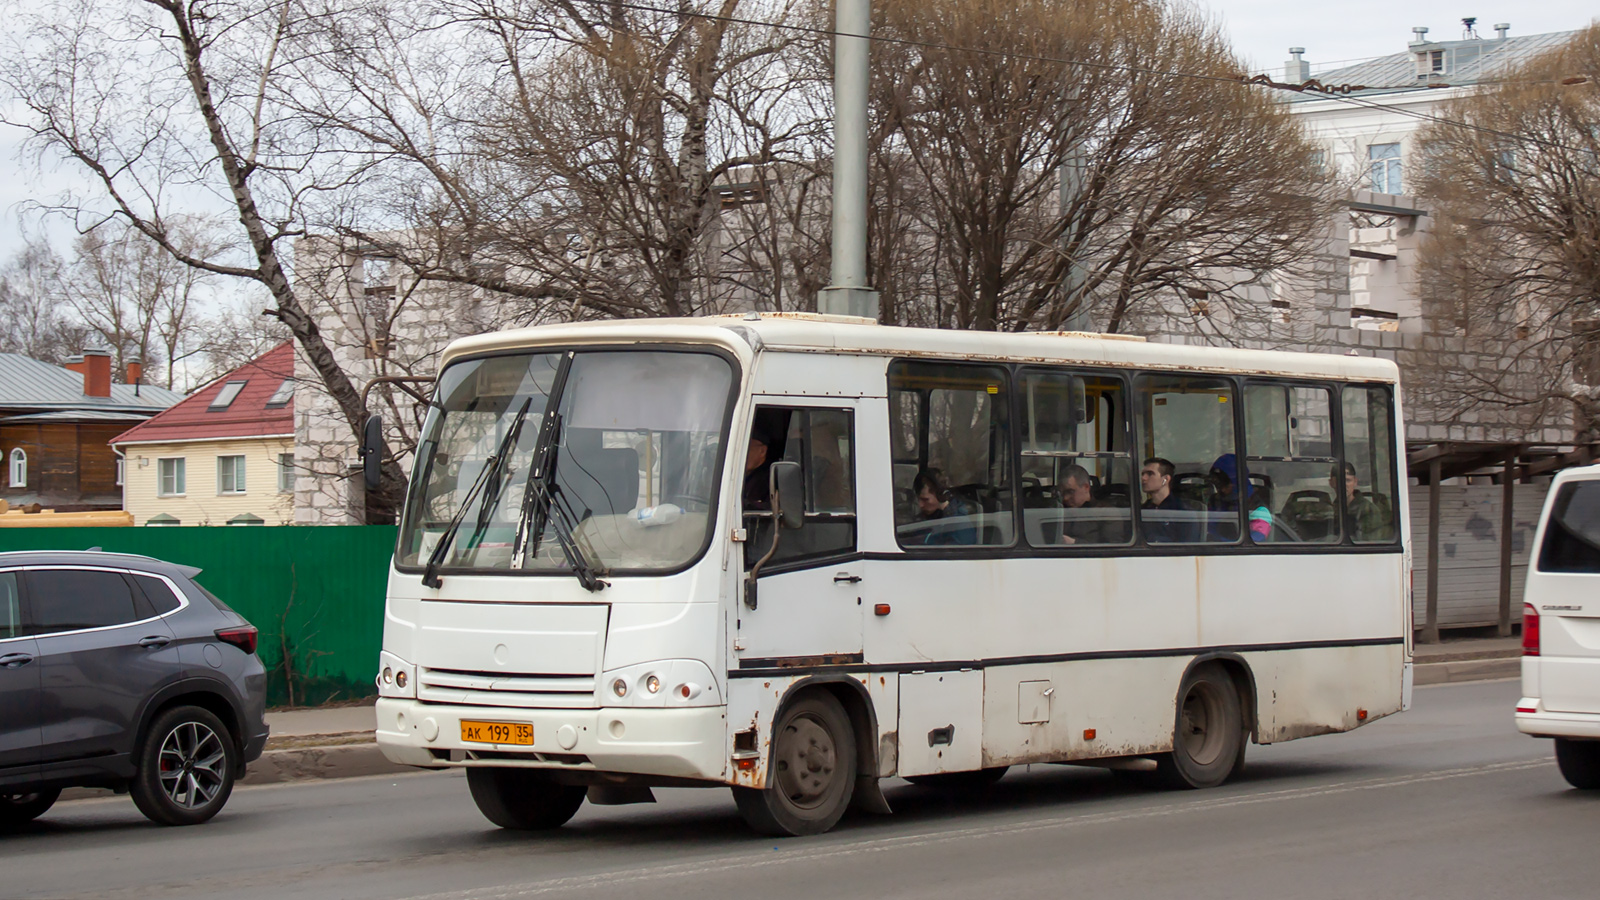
1368,141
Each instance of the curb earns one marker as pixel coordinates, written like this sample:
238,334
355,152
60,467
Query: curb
310,763
1460,670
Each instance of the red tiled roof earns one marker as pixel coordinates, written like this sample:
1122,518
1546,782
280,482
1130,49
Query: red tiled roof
246,416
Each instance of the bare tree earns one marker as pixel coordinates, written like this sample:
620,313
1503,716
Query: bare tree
137,298
32,298
1086,156
1514,257
564,154
236,334
166,104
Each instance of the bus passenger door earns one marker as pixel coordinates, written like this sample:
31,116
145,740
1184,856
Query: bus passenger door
807,606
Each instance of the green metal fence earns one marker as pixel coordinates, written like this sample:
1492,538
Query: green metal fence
315,593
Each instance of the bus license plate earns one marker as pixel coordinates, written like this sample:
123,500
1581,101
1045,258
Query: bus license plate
497,732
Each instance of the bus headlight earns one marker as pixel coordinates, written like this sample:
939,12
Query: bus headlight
662,683
396,678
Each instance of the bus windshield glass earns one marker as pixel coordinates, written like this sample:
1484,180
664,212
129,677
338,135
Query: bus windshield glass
633,450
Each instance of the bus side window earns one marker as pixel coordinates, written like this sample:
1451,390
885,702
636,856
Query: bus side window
822,441
1290,453
1077,469
1369,464
1187,421
953,483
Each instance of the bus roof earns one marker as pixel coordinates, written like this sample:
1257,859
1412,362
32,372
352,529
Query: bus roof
814,333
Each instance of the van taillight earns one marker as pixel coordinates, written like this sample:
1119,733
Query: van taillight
1530,630
243,637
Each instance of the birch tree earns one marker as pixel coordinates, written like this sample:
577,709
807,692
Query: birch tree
169,106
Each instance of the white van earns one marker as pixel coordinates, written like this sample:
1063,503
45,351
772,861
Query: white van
1561,628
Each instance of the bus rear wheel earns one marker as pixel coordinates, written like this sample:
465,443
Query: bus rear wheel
1579,762
1208,738
523,799
812,774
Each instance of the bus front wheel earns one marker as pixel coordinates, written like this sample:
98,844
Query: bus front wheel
1208,739
523,799
812,774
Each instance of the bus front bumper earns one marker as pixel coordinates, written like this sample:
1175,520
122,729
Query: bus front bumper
676,743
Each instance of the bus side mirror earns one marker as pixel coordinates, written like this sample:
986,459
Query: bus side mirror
788,494
372,452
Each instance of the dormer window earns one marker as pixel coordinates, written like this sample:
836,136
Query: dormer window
227,395
281,397
1436,61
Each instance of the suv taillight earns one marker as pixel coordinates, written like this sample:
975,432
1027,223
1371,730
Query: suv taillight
1530,630
242,636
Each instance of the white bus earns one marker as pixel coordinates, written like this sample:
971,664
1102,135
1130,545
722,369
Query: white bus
796,554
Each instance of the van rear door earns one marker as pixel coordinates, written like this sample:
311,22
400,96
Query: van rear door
1565,590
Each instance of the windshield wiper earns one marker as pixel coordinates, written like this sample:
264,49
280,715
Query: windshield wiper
542,503
492,471
546,506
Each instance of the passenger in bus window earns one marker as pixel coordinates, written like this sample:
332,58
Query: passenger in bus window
934,502
1223,508
1225,502
1077,493
1155,479
757,484
1370,520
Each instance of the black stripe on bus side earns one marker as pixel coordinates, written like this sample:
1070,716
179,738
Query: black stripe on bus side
777,666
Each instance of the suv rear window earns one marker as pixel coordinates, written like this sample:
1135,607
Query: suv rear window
215,599
156,591
1572,536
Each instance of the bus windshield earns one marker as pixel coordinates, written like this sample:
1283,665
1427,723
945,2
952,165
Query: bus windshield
635,444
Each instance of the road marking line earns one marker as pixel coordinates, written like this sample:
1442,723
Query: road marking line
880,845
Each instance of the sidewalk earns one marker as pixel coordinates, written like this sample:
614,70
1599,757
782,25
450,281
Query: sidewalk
1470,659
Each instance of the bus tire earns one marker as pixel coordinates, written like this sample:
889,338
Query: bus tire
976,780
1209,734
812,774
523,799
1579,762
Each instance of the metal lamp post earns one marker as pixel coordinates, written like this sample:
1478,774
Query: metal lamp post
849,294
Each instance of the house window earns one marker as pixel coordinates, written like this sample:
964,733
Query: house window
172,477
19,468
281,397
227,395
285,473
230,474
1384,163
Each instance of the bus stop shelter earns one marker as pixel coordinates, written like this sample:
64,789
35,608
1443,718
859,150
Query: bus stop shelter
1431,463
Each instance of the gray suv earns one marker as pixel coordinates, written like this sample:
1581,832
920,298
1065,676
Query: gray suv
120,671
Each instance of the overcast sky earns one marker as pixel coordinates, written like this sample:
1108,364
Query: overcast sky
1332,31
1337,30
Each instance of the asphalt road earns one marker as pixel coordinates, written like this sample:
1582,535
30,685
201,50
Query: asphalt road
1444,801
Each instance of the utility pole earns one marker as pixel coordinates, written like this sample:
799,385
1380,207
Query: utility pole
1071,183
848,294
